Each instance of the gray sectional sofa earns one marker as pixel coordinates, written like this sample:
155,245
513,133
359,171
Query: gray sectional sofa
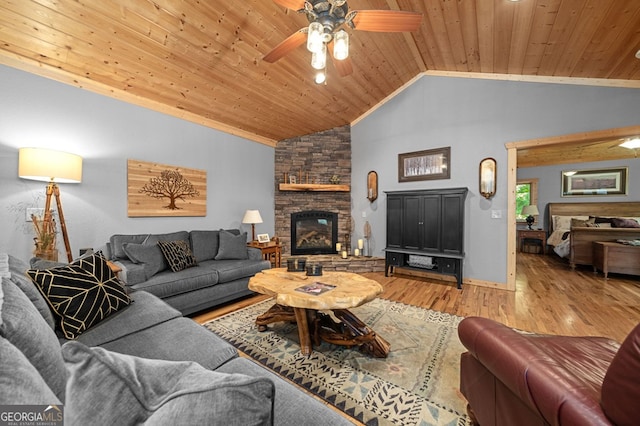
144,364
223,266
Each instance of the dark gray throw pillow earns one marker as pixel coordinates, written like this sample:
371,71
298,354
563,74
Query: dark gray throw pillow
232,246
149,255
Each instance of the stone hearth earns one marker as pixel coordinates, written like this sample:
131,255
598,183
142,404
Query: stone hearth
350,264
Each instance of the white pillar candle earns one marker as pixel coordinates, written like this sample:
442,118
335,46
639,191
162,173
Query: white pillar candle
338,247
356,252
360,244
344,254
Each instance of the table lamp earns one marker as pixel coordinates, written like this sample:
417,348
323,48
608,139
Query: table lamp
53,167
530,211
252,217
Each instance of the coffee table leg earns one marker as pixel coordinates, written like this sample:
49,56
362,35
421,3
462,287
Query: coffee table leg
277,313
303,331
351,331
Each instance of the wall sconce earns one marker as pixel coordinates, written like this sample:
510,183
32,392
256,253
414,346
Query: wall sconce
488,176
372,186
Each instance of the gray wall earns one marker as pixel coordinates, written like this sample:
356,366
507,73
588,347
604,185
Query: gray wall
550,186
475,118
43,113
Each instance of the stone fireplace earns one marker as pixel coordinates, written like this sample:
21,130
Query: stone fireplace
314,232
315,159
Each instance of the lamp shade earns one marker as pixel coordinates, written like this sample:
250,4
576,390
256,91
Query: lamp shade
252,216
48,165
531,210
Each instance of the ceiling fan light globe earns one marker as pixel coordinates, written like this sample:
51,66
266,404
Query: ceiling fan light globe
320,77
314,38
341,45
319,59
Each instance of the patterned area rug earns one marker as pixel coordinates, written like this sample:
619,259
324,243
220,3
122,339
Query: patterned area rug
416,385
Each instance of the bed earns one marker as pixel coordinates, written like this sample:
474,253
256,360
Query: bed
589,224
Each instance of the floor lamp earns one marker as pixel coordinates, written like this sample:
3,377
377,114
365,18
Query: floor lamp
53,167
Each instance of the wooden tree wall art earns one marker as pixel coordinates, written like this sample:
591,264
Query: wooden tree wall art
162,190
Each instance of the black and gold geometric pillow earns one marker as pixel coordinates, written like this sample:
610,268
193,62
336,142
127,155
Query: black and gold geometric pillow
82,293
178,254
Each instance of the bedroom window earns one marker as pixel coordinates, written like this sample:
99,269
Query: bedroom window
526,193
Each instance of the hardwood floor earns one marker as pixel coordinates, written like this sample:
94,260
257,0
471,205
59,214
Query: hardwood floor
550,298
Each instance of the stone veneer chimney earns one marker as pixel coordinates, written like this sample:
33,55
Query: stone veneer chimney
318,156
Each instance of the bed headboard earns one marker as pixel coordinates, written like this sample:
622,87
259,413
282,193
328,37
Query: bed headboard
621,209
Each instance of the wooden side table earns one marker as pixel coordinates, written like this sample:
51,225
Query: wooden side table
609,256
533,234
271,251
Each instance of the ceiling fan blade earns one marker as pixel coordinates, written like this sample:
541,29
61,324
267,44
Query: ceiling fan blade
386,21
291,4
344,67
286,46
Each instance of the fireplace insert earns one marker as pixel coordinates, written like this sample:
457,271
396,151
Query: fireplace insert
314,232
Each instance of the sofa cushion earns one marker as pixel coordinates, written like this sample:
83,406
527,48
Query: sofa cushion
291,407
204,244
168,283
23,326
20,382
81,294
232,246
230,270
19,277
620,390
121,389
148,255
196,344
145,312
177,254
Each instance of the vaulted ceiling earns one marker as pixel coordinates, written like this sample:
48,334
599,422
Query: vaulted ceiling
202,59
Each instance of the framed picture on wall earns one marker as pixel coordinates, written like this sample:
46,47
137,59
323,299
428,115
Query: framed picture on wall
594,182
429,164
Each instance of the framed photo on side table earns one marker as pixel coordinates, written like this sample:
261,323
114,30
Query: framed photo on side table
429,164
263,238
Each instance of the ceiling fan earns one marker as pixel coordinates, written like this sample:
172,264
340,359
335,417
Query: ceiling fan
326,17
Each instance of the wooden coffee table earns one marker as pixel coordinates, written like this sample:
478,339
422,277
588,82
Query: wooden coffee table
292,305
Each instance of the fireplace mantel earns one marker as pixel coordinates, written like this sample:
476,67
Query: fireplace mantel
313,187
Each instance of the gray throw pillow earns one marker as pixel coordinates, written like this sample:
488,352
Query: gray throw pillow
232,246
124,389
149,255
20,383
19,277
23,326
204,244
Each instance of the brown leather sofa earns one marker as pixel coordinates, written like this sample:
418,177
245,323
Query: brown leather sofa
511,378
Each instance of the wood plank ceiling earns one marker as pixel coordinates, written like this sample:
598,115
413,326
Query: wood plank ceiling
202,59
